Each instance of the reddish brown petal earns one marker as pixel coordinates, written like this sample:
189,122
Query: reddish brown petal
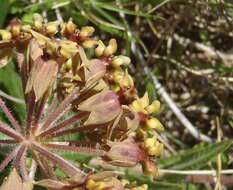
103,106
124,154
95,70
41,76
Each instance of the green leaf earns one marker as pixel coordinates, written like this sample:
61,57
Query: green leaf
3,11
195,158
107,16
113,31
27,18
10,83
150,88
158,185
123,10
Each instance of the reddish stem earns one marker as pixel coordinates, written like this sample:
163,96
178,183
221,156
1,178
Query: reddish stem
10,132
10,157
19,156
60,162
40,110
76,130
60,109
76,149
10,116
30,110
68,122
23,167
8,141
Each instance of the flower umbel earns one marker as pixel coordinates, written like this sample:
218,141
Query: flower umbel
99,96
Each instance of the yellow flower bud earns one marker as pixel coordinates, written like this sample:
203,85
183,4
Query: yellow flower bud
6,35
26,28
126,81
51,46
124,182
142,187
42,40
89,43
70,27
154,107
153,146
144,100
154,123
111,48
136,106
92,185
141,134
120,60
87,31
38,21
115,88
68,48
52,27
100,49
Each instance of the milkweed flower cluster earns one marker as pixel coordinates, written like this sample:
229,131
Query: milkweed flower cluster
98,93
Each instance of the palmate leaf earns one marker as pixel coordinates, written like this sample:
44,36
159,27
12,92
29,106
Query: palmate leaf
195,158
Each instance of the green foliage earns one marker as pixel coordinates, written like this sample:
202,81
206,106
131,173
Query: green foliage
3,11
10,82
195,158
158,185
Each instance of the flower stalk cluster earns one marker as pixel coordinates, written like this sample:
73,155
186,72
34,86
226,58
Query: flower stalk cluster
98,94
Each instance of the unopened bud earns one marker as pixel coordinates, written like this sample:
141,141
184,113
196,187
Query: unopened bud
120,60
89,43
70,27
15,28
111,48
6,35
68,49
26,28
52,27
87,31
154,107
38,21
100,49
153,146
141,134
92,185
149,168
126,81
154,123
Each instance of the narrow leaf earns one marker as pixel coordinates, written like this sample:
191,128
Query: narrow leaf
195,158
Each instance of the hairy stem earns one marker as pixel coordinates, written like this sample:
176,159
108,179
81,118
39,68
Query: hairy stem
67,147
60,109
68,122
9,158
19,156
76,130
60,162
30,110
10,116
10,132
